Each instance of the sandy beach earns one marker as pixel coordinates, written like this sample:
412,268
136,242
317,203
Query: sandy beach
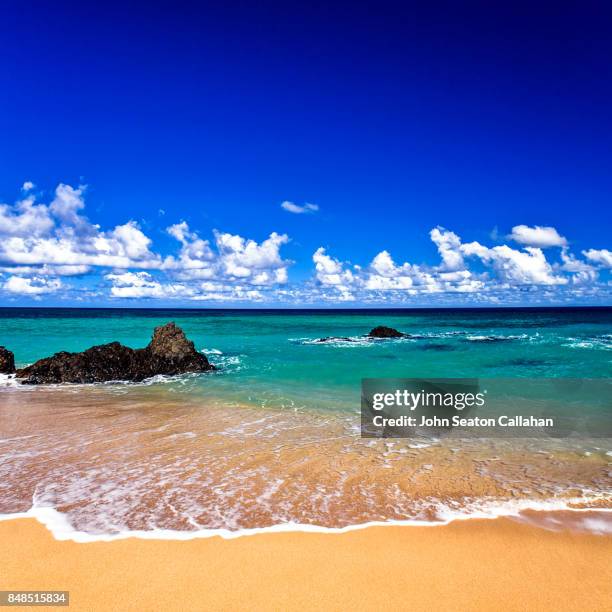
469,565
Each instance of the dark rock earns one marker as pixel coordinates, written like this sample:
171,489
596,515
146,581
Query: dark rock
7,361
334,339
169,352
436,346
385,332
522,361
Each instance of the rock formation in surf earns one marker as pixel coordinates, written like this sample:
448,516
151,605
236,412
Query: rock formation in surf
7,361
169,352
385,332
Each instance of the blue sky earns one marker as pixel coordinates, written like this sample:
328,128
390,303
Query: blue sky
389,119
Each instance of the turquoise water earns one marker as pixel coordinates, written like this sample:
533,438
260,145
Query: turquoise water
273,358
204,452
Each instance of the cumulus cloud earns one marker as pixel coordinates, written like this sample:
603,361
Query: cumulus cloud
45,245
502,274
33,286
503,270
297,209
28,186
142,285
47,270
330,271
528,266
537,236
448,244
56,239
246,259
58,234
233,258
602,257
384,277
138,285
25,219
581,271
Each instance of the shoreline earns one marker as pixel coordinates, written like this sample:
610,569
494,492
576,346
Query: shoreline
480,564
549,516
243,469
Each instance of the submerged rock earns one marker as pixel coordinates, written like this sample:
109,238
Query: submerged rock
169,352
385,332
436,346
334,339
7,361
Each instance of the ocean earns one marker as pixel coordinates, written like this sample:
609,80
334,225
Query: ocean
272,439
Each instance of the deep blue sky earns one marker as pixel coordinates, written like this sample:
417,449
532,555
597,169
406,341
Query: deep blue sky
391,117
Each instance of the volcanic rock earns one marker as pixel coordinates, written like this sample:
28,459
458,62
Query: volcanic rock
385,332
7,361
169,352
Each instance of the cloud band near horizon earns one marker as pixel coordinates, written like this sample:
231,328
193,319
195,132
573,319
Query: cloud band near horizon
53,250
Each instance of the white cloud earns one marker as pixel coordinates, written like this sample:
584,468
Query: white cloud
234,258
139,285
25,219
383,278
581,271
43,242
297,209
142,285
384,274
57,234
47,270
448,244
528,266
246,259
28,186
31,286
506,269
602,257
57,239
537,236
330,271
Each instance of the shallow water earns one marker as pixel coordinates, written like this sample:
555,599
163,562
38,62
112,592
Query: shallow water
273,437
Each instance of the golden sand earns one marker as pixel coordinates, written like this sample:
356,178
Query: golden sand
470,565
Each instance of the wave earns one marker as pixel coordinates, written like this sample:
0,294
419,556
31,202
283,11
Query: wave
495,338
465,336
544,514
211,351
603,342
8,380
338,341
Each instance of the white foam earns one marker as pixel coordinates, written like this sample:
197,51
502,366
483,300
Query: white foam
8,380
350,341
61,529
596,342
495,338
597,525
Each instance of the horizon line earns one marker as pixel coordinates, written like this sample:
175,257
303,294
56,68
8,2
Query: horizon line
310,309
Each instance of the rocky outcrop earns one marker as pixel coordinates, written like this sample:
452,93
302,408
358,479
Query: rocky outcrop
385,332
169,352
7,361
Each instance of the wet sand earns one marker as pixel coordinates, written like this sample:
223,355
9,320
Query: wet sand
120,459
468,565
